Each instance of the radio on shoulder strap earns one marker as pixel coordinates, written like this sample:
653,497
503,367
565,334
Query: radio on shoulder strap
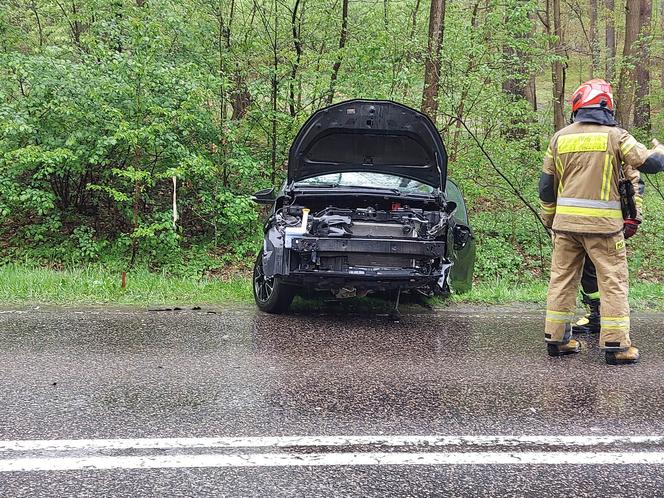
627,193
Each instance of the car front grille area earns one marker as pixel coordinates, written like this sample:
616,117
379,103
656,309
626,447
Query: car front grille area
368,229
347,262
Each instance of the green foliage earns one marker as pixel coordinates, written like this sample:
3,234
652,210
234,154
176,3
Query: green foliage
103,103
511,246
87,248
497,258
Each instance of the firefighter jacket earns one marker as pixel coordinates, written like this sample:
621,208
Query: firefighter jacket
579,182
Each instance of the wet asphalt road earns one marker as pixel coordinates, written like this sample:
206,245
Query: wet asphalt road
138,374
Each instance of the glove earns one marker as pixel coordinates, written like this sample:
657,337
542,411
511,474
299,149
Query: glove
630,228
657,146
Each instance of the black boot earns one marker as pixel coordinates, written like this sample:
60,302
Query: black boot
589,324
570,347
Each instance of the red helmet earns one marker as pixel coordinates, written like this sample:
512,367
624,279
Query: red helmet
593,93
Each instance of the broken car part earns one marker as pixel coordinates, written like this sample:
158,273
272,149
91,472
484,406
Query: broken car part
365,209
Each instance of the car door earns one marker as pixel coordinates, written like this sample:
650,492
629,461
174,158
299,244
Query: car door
462,255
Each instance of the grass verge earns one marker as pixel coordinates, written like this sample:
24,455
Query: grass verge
644,296
97,285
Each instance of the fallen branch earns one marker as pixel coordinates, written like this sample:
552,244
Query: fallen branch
513,188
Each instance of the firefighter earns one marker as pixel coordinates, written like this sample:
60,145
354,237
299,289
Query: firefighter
589,324
579,193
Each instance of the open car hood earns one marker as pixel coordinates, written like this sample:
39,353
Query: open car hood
377,136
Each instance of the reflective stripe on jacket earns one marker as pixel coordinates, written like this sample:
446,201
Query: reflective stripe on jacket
579,183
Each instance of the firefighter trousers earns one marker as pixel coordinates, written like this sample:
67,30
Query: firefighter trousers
607,252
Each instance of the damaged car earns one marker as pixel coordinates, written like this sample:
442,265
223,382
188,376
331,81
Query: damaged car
366,207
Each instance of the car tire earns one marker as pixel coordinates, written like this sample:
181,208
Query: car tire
271,294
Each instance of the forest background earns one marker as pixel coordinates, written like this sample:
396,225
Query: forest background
114,111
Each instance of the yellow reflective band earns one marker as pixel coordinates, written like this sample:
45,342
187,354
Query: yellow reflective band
615,214
614,323
559,316
548,153
583,142
548,209
615,319
559,313
588,203
628,145
606,178
638,200
561,170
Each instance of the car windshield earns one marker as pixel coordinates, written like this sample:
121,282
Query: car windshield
368,180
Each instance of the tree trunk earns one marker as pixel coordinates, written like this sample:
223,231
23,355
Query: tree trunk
33,7
343,36
408,56
625,93
273,97
642,102
530,90
413,19
135,220
432,64
531,93
386,15
520,83
515,86
594,42
661,31
558,69
610,39
240,97
78,28
223,48
296,29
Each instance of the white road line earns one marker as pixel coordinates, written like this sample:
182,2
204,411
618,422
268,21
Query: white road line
329,459
321,441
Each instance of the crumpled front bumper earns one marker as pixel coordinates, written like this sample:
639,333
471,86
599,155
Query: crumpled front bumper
365,276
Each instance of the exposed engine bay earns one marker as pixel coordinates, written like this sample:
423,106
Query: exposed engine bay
390,242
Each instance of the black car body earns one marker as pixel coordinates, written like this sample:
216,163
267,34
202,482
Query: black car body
366,207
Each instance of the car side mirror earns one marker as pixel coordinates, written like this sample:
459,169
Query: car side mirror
264,196
462,235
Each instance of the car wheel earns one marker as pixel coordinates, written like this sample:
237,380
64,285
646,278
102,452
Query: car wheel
270,293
